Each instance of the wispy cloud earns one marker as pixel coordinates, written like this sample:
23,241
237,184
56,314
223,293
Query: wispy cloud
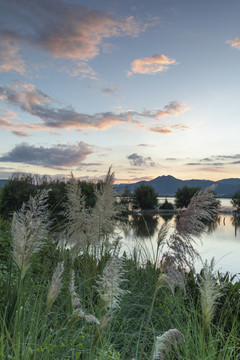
56,157
139,160
109,90
151,65
216,161
235,42
52,116
60,29
10,59
173,108
169,129
20,133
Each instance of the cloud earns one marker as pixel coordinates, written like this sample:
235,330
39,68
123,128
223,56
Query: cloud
173,108
10,59
109,90
54,157
61,29
162,130
168,129
235,42
151,65
145,145
53,116
20,133
139,160
135,179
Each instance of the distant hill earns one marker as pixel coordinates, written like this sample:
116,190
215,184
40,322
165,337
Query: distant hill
168,185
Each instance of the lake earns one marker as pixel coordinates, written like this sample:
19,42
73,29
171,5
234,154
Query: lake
220,240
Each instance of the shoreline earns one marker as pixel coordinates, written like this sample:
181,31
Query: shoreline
228,210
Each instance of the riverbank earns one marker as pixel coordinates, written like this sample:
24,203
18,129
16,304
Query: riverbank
230,210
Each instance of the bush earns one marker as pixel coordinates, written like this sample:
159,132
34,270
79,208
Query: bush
166,206
145,197
184,195
236,200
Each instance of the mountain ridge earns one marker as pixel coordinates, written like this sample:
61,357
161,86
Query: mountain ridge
167,185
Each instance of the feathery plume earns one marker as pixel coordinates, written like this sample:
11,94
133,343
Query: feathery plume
164,342
30,229
76,214
109,284
104,211
210,292
55,286
191,224
78,312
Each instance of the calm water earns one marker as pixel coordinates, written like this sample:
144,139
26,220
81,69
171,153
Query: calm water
221,239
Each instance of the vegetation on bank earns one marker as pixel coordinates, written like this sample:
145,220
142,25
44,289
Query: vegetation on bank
76,295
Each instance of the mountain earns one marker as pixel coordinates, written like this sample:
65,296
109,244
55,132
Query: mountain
168,185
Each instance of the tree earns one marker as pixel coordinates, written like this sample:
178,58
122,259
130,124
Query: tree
184,195
236,200
145,197
166,206
16,191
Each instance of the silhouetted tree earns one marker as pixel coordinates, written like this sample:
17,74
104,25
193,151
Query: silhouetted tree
184,195
236,200
145,197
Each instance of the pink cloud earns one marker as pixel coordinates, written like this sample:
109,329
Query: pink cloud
167,129
162,130
10,59
151,65
53,116
61,29
235,42
173,108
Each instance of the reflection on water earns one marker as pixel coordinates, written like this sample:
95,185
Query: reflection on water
221,239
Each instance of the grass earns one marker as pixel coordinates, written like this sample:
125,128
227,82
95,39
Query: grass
84,301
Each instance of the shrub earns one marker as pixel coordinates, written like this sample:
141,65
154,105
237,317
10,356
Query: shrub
166,206
145,197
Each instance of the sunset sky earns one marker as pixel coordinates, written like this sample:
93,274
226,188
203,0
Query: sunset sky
149,87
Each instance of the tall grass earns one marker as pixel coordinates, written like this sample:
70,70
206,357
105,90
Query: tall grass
85,301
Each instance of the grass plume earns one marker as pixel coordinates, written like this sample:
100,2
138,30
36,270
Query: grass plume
55,286
210,293
30,229
164,343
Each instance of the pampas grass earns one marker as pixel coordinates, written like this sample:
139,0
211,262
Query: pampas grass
29,230
55,286
210,293
109,284
78,312
164,343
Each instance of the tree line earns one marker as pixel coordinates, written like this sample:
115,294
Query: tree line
20,187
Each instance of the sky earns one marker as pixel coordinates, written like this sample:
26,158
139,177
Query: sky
150,88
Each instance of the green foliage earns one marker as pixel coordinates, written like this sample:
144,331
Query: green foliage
236,200
19,187
146,309
166,206
145,197
16,191
184,195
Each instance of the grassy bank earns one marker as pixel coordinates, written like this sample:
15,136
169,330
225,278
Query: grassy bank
70,295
